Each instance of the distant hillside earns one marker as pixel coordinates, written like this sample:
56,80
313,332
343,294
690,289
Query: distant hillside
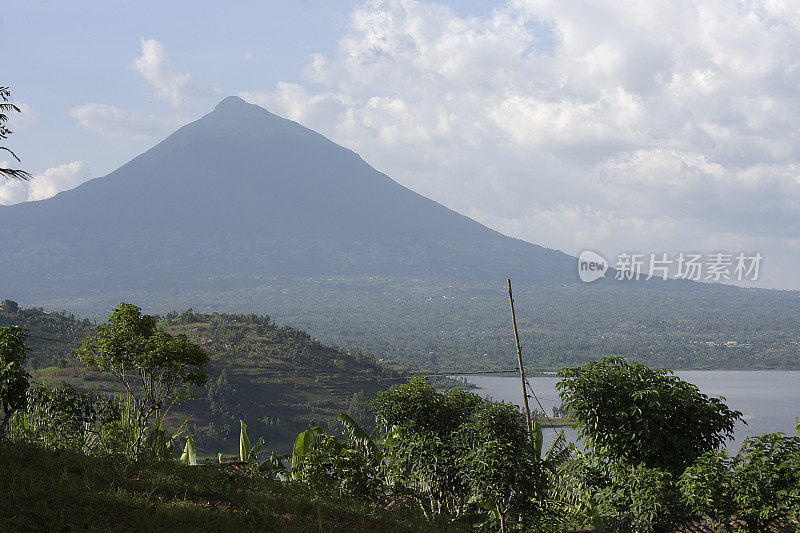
468,326
52,336
274,378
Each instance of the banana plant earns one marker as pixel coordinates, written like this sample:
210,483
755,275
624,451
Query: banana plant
566,487
274,467
538,440
246,452
158,443
302,445
359,437
189,456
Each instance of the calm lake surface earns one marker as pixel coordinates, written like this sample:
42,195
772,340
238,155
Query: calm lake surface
769,399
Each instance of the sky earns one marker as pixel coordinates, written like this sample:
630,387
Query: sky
642,126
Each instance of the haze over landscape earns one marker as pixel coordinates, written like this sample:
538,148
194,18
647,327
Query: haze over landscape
560,126
256,266
304,230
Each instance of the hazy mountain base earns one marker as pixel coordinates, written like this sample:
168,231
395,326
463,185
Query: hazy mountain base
450,326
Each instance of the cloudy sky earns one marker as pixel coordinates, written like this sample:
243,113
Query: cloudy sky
642,126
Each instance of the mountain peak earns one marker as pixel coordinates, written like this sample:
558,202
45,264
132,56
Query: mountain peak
235,118
238,108
230,102
235,104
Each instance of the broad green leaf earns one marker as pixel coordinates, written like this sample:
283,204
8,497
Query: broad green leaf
189,456
244,443
256,448
558,445
303,444
357,433
316,428
538,438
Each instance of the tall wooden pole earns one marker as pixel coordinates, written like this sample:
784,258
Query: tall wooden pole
519,360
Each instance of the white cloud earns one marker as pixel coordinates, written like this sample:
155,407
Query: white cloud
156,66
114,122
24,119
57,179
620,124
44,185
12,191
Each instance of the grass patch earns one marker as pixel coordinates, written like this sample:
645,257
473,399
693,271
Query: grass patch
48,490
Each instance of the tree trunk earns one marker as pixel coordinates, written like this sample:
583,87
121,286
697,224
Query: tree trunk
4,424
502,518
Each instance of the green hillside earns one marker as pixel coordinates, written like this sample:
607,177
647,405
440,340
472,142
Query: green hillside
274,378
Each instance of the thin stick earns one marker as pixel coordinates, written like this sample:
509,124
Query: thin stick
519,359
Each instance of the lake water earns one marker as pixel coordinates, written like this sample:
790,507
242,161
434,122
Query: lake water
769,400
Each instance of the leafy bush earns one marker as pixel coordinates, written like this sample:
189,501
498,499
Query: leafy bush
630,413
501,467
13,377
643,428
639,498
326,464
418,403
65,418
760,485
424,445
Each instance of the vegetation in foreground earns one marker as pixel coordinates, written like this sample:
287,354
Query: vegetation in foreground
650,459
46,489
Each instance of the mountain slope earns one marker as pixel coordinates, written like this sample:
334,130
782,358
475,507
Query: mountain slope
243,211
242,193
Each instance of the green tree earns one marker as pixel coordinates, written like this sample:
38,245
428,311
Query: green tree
418,403
6,107
707,487
638,498
357,409
153,366
643,428
631,413
13,377
10,305
759,486
503,472
423,444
